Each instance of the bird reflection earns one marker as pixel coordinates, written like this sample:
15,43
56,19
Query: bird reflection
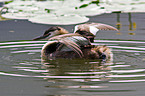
76,72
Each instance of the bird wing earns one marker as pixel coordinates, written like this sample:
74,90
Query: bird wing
101,26
71,42
93,27
72,45
63,36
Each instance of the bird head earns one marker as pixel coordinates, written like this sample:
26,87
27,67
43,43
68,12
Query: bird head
51,32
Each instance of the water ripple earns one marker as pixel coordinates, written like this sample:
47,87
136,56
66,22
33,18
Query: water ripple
128,71
23,51
127,81
12,46
113,41
90,72
22,42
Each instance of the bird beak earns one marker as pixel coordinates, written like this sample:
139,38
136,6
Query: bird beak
41,37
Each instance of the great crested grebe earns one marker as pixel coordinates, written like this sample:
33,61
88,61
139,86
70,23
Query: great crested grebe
63,44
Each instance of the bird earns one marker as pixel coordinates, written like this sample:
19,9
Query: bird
64,45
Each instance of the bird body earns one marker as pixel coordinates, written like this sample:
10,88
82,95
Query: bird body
63,44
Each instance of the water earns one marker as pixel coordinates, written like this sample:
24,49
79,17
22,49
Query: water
126,73
22,73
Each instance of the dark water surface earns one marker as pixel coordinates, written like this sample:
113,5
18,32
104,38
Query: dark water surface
22,73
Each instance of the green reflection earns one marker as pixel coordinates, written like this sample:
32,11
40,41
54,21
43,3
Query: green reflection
131,27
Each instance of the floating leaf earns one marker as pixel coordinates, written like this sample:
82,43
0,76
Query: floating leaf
16,16
90,10
3,19
5,1
59,20
64,9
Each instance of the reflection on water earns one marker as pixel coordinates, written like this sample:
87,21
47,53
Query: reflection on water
74,71
131,27
22,59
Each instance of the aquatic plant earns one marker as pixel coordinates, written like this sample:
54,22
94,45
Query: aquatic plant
64,12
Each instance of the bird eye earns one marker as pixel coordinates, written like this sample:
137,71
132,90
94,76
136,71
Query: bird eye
58,28
50,30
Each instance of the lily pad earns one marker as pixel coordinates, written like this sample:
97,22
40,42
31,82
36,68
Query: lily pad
3,19
49,4
17,15
90,10
4,0
63,12
59,20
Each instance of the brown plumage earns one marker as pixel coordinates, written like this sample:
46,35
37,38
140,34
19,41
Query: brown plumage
75,45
